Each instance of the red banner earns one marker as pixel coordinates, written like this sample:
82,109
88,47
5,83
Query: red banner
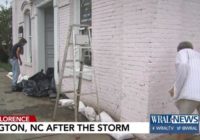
17,118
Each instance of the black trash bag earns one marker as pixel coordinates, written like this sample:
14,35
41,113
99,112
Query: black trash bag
19,87
38,76
52,94
43,87
30,87
52,90
40,84
53,85
50,73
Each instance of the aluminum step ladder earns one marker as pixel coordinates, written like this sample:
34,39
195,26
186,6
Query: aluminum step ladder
77,41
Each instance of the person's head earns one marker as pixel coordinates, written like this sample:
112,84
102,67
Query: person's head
22,41
184,45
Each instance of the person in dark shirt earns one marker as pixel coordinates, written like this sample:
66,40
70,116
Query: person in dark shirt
15,60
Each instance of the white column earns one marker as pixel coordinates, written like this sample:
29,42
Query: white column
56,42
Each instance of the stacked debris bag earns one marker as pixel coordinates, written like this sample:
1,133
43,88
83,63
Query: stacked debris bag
40,84
52,85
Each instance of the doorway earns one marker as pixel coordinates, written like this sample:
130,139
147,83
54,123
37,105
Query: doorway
45,35
49,37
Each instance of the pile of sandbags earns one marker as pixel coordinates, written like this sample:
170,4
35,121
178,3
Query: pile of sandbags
91,115
86,111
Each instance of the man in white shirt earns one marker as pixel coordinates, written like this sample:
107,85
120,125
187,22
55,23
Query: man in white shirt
186,90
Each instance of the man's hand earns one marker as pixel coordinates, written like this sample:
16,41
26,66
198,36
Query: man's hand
171,92
20,62
18,55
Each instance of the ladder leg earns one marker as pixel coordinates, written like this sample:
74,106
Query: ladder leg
79,86
61,74
97,95
56,104
74,75
95,82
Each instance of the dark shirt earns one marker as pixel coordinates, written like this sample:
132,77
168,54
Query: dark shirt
13,51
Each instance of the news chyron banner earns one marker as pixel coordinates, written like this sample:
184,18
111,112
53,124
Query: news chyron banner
174,124
159,123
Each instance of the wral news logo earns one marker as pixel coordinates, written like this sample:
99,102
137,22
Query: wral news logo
172,123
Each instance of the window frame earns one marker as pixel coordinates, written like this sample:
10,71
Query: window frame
28,37
76,20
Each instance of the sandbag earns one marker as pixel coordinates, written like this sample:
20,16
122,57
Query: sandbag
124,136
81,108
104,117
90,113
66,102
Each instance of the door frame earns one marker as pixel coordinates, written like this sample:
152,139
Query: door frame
40,37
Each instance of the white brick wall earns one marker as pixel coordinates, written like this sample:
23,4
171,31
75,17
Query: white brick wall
175,21
121,36
134,45
106,43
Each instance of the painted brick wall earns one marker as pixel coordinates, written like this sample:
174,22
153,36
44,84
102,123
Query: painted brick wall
142,36
106,21
174,21
134,44
121,38
137,22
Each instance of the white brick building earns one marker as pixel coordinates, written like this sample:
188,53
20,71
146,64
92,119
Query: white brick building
134,44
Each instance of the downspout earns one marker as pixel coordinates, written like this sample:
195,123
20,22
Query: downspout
56,42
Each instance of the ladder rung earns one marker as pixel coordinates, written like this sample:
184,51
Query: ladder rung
84,94
67,76
85,47
70,91
72,61
79,25
81,46
83,72
71,67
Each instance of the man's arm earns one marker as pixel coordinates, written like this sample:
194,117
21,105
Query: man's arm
181,71
18,55
22,51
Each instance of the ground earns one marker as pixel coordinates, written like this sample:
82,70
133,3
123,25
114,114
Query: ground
42,108
18,103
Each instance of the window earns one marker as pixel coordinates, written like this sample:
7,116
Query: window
86,12
86,19
28,37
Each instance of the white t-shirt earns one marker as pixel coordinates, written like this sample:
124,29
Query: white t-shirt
187,84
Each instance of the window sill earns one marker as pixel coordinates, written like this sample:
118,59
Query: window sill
28,64
87,74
